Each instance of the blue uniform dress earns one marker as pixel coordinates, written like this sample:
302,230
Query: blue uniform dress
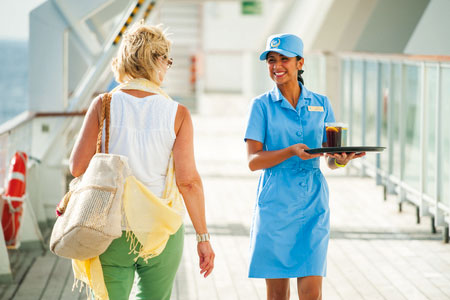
291,220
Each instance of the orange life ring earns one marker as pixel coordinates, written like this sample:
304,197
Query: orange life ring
13,198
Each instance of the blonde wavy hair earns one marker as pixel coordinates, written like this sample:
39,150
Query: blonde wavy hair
140,52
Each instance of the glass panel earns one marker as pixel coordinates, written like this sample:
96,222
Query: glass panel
385,97
312,75
371,108
411,111
355,132
430,131
396,94
445,101
345,97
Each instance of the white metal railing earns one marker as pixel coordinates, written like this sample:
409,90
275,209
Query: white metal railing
402,102
14,131
14,136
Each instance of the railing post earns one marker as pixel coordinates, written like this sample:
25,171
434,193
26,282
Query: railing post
378,125
402,136
363,114
423,208
391,105
350,108
5,269
346,85
438,213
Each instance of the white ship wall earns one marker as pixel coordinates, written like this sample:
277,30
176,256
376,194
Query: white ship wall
431,36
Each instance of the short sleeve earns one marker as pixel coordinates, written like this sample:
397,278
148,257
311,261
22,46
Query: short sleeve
256,125
329,117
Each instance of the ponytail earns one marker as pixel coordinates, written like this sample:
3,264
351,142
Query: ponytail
299,76
300,72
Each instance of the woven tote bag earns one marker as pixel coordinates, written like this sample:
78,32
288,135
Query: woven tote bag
90,213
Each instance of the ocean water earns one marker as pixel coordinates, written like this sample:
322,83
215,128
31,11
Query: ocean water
13,78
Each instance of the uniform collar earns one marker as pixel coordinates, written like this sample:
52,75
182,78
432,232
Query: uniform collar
276,95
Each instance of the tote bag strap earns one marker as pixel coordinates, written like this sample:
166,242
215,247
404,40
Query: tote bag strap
104,119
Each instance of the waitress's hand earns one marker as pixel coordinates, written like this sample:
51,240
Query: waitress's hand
344,158
206,256
299,150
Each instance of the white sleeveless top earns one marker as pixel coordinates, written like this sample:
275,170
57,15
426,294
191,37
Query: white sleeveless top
143,129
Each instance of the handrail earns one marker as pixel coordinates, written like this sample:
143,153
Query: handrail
27,116
16,121
382,56
81,113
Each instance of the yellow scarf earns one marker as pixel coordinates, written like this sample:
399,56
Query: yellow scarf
150,219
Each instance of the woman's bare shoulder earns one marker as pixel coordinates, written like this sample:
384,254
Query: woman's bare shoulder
95,109
182,115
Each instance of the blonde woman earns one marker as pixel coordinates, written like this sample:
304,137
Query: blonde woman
147,126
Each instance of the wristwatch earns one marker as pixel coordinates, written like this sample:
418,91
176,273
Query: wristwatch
204,237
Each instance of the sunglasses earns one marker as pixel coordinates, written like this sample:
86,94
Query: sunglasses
169,61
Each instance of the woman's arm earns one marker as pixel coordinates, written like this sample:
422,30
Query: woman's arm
86,143
260,159
190,184
188,179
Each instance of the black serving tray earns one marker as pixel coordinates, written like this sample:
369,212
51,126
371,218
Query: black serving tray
348,149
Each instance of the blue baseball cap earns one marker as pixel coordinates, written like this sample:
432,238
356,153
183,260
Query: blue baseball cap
284,43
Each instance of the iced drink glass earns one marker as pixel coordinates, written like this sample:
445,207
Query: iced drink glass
334,134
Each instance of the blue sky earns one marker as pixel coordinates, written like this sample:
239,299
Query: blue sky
14,18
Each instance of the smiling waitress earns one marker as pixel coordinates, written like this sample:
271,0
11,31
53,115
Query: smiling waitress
291,221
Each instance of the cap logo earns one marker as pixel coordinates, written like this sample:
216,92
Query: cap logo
275,43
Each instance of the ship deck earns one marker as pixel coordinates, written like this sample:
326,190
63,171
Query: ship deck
375,252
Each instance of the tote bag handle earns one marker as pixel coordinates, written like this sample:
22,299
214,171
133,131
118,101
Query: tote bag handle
106,103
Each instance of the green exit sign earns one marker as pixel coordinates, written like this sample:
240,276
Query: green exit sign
252,7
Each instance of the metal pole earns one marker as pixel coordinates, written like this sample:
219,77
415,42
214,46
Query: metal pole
390,121
350,108
438,213
402,132
363,113
423,208
378,124
446,234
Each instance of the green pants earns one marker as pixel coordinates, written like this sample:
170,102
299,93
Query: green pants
156,277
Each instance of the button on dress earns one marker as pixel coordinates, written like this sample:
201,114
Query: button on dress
291,219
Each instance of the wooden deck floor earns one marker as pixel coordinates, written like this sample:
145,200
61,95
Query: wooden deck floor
374,252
